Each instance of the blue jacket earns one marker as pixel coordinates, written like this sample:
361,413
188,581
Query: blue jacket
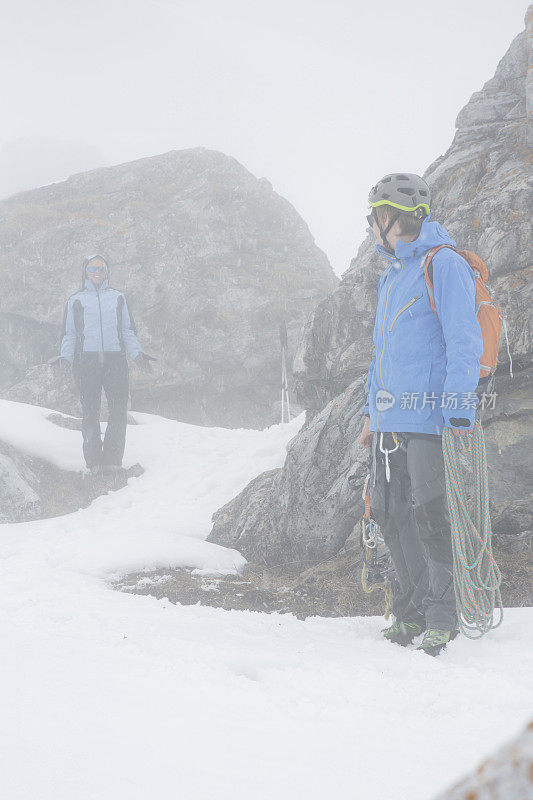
98,321
425,367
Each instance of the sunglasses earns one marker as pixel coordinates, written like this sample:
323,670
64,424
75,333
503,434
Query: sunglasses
95,269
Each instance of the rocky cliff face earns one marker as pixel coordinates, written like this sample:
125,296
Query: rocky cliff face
483,194
307,509
211,259
19,487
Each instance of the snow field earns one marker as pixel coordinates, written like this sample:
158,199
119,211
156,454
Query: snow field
111,696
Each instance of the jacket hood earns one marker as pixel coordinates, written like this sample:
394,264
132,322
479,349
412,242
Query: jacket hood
87,261
432,234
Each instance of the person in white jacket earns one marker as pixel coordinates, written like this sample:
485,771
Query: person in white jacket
98,332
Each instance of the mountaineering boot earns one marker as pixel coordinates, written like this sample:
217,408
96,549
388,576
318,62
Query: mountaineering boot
402,633
135,471
435,640
112,469
392,630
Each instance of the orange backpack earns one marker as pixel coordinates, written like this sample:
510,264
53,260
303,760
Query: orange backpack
488,313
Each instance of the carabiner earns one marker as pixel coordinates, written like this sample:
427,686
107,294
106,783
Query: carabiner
386,453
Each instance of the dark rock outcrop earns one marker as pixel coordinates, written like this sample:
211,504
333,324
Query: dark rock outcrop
483,195
31,488
306,510
211,259
51,387
19,485
506,775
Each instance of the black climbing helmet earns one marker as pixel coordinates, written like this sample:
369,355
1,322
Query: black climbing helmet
406,192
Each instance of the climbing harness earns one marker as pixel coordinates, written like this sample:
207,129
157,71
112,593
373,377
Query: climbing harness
476,578
376,559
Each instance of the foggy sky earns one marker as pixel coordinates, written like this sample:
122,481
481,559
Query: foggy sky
321,98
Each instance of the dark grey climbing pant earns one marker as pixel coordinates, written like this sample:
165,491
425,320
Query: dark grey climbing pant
112,374
412,512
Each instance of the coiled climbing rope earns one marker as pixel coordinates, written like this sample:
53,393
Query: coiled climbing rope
476,575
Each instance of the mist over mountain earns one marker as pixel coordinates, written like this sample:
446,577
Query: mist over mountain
33,161
212,260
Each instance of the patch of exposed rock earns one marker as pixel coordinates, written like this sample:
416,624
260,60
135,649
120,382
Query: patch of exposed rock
19,485
32,488
51,387
211,259
506,775
329,589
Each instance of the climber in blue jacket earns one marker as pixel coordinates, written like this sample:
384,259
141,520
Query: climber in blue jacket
422,378
98,332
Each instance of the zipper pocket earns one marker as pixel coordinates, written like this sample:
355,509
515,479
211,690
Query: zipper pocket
409,304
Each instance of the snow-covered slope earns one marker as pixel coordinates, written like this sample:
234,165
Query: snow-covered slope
164,516
111,696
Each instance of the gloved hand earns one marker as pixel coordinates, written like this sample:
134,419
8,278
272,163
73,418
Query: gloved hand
462,421
143,362
63,366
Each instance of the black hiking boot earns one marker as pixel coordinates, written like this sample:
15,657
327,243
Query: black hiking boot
112,469
95,470
435,641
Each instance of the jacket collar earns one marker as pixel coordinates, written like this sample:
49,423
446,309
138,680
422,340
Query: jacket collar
431,235
89,285
385,253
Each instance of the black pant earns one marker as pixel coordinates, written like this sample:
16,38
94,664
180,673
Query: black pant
92,372
412,512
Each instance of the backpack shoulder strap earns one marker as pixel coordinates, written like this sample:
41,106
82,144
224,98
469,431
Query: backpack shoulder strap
428,271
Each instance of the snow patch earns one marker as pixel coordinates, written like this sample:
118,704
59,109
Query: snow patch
112,695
